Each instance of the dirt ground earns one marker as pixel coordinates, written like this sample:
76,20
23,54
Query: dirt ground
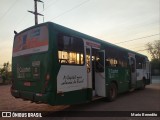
139,100
9,103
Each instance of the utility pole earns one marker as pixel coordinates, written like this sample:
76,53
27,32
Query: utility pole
35,11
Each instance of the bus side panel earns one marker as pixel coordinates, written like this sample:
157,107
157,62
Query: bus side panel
72,97
139,83
72,85
120,76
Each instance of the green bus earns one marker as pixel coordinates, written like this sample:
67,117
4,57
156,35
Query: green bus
56,65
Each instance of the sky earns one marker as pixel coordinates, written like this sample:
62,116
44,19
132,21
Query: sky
127,23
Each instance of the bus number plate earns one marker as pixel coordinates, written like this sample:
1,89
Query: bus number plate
27,83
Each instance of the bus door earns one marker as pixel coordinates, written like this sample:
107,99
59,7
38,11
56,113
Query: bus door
89,66
148,72
100,88
132,63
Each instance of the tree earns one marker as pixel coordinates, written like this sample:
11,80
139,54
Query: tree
5,71
154,49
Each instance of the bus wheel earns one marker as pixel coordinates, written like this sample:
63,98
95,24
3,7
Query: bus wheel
112,92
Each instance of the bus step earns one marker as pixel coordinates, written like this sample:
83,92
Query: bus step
96,98
132,89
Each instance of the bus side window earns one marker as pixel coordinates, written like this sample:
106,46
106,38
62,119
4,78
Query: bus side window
108,63
144,65
70,50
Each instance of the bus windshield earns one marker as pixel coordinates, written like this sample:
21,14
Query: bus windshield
31,41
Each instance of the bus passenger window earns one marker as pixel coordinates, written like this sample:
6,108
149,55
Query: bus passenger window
70,57
144,65
111,62
139,65
108,63
70,50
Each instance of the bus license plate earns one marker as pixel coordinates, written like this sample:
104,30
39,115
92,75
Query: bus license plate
27,83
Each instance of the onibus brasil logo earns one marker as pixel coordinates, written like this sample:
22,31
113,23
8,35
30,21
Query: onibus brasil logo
21,114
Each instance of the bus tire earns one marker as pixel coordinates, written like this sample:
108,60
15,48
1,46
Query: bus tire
112,92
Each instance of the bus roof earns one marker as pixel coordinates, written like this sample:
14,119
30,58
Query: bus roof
82,35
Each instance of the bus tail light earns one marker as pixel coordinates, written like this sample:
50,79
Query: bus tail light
39,94
46,82
47,77
27,84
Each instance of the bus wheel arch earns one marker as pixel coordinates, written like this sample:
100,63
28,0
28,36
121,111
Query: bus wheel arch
112,91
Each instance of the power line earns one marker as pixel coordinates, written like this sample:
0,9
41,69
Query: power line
141,50
140,45
35,12
138,38
71,9
8,10
53,3
75,7
22,19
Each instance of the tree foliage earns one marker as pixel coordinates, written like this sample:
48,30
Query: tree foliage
154,49
4,71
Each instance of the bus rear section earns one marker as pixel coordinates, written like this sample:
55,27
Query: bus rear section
30,64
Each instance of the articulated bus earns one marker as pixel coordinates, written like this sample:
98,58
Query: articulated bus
56,65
